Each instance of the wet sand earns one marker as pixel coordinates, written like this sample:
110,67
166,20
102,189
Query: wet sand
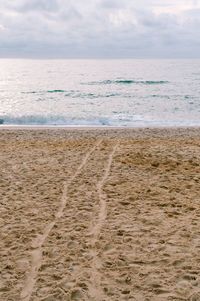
100,214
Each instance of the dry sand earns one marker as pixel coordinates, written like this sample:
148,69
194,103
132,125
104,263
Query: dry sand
100,214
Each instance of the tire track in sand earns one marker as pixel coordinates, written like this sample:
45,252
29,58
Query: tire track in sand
36,254
95,290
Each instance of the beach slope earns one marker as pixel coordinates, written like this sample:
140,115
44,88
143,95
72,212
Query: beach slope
100,214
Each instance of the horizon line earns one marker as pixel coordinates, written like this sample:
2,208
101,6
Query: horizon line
101,58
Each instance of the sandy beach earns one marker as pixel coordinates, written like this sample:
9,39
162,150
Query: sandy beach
99,214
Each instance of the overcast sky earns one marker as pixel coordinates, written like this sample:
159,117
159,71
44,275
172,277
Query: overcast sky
100,28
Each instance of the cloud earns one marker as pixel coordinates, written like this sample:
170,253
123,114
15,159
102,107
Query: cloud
121,17
100,28
33,5
2,27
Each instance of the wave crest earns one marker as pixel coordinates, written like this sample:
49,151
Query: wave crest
109,82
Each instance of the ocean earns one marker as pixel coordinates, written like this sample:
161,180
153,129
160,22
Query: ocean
118,92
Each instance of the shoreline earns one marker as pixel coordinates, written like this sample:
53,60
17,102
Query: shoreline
93,127
54,132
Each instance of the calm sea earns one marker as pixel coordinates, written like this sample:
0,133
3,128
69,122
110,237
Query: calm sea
100,92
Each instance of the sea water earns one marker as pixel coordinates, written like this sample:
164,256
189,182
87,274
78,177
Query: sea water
123,92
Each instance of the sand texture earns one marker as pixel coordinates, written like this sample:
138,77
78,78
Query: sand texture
98,214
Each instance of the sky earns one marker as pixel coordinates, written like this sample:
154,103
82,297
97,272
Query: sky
100,28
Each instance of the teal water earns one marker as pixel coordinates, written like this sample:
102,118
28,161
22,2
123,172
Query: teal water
100,92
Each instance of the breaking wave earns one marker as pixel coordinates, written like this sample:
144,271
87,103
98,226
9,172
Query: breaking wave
73,94
56,120
109,82
41,92
66,121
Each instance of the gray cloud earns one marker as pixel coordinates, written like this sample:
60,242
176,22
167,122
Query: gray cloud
99,28
38,5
